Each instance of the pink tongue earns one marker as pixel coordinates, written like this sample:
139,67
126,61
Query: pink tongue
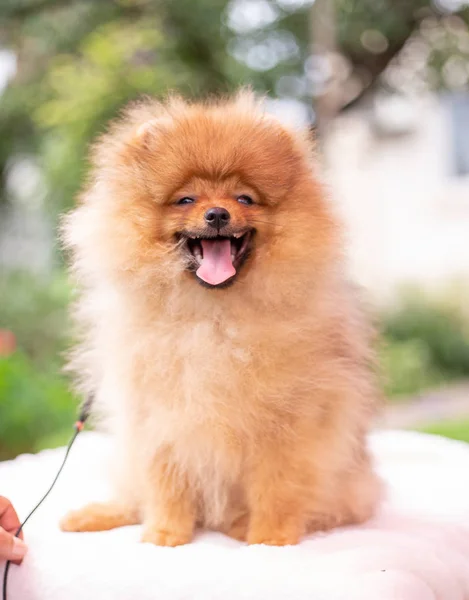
217,265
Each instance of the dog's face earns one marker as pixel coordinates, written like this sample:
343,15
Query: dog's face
215,224
210,194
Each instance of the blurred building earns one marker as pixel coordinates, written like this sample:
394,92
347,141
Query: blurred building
399,169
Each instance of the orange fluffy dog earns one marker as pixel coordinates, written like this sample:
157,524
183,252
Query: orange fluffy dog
226,350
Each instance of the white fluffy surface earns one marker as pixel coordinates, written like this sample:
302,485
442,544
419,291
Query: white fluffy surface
416,549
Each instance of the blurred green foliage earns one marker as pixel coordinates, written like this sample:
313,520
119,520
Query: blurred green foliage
454,429
425,344
37,407
35,309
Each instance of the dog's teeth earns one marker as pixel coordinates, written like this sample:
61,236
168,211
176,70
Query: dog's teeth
197,254
237,235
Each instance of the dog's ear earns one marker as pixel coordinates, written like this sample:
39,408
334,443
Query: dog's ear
144,136
145,129
161,118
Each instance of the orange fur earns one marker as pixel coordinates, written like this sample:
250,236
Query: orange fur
242,409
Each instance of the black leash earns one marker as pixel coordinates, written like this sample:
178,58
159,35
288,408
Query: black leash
84,414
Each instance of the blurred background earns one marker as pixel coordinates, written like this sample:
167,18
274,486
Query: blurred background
383,84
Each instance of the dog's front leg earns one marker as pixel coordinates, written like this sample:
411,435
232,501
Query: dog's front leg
275,493
168,505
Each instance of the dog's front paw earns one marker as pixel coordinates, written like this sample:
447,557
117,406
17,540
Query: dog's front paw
75,520
273,536
279,540
161,537
98,517
239,528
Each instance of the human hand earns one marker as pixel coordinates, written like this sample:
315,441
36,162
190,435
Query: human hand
11,547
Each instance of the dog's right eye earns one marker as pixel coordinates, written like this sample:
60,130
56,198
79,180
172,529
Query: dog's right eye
185,200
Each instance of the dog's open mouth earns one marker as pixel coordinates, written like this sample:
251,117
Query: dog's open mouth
216,260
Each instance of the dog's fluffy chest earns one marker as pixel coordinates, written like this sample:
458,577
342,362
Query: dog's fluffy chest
216,374
201,364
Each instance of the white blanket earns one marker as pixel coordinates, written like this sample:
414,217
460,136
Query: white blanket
417,548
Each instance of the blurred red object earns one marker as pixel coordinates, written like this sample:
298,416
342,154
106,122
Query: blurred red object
7,342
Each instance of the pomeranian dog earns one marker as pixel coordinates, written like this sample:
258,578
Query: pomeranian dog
229,357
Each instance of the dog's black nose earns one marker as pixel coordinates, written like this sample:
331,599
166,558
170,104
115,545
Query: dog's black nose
217,217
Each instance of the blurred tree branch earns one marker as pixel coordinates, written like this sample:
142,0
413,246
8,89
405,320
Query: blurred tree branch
402,20
324,46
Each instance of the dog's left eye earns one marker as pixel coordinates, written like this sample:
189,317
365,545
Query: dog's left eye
185,200
244,199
